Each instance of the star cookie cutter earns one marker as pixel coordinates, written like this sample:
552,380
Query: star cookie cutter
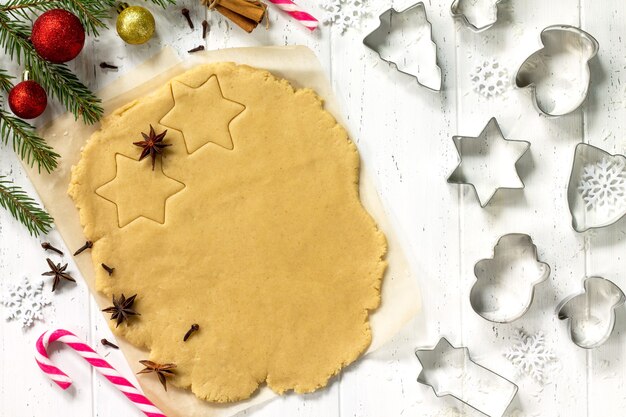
559,74
597,188
477,15
505,284
404,39
591,314
483,162
450,371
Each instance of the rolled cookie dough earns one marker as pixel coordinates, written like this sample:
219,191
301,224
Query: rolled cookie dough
250,225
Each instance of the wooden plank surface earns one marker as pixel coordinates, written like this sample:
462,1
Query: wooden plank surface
404,134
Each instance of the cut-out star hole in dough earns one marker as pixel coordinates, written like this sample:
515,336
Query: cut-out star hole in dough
197,111
138,191
488,162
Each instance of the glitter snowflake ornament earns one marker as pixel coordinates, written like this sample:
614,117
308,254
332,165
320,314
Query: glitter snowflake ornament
531,356
489,79
25,302
344,14
603,186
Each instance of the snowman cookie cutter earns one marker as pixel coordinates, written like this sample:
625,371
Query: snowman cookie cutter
591,314
477,15
505,284
558,74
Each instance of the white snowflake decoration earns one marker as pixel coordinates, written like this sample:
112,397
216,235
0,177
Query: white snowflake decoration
489,79
25,302
603,186
344,13
530,355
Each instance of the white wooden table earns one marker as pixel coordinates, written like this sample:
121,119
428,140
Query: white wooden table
404,132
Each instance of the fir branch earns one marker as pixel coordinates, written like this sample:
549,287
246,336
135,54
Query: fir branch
90,12
56,79
5,81
24,208
30,147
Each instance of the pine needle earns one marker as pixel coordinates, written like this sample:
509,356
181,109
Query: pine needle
24,208
30,147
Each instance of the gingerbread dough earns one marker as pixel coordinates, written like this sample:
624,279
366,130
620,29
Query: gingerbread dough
250,225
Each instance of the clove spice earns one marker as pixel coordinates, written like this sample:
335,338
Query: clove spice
196,49
88,245
205,28
108,269
48,246
109,344
194,328
185,13
105,65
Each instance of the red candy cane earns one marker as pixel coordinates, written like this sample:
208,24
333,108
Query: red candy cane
297,13
95,360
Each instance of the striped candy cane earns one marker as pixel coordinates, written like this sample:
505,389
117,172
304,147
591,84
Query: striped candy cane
297,13
95,360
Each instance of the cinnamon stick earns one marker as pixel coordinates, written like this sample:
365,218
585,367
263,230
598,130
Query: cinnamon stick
247,14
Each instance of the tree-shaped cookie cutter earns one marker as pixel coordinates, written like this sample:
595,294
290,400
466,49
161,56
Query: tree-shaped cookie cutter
559,73
450,371
505,286
497,158
477,15
404,39
591,314
597,188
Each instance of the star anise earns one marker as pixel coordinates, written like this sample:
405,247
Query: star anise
122,309
162,371
152,144
57,271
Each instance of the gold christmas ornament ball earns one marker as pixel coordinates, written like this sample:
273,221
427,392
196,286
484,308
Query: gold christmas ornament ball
135,25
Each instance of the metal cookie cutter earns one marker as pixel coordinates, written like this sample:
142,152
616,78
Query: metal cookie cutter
597,188
404,39
559,73
505,285
488,162
450,371
592,313
478,15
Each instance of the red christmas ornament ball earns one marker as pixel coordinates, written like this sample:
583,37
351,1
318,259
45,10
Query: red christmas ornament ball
28,100
58,36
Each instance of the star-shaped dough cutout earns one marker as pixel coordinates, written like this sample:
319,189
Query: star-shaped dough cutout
202,114
488,162
138,191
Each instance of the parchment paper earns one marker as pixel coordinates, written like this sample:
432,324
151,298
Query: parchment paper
400,297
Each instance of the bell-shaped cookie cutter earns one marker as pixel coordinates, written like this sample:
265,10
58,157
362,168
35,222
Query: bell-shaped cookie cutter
485,178
597,188
591,314
400,40
559,74
477,15
450,371
505,284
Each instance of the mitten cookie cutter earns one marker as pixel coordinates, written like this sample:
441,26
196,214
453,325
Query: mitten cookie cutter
482,176
505,284
591,314
412,55
559,74
482,15
596,194
450,371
